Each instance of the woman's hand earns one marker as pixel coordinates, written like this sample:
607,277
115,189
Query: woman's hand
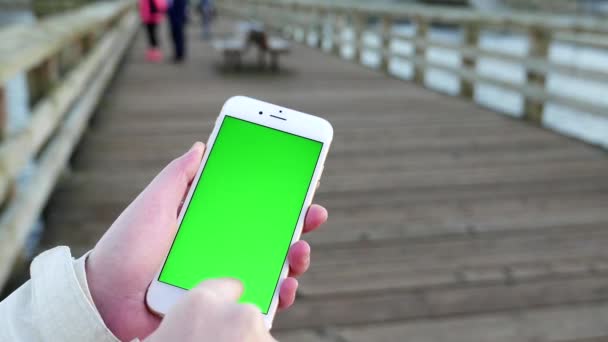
210,312
124,261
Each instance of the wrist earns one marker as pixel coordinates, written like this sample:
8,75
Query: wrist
126,317
97,295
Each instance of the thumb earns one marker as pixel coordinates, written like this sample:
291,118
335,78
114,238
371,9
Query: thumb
170,186
226,289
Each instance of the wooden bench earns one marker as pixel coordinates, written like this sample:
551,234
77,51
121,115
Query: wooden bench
277,47
234,48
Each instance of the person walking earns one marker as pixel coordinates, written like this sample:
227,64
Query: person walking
177,21
152,13
207,11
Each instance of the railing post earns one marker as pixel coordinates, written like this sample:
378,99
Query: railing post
539,41
422,26
3,112
69,56
471,39
298,23
86,43
312,19
319,27
386,25
42,78
285,21
358,29
336,35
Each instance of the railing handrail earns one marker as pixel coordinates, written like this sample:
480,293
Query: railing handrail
68,60
328,21
26,45
451,14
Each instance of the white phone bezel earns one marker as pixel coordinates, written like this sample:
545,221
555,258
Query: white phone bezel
161,296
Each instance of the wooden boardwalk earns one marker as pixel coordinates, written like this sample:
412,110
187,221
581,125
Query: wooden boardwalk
448,222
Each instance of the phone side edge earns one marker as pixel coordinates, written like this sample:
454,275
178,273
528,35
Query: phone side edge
319,168
158,290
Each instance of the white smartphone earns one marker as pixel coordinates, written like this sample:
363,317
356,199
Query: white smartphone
246,205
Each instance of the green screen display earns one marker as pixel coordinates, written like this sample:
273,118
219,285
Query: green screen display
244,210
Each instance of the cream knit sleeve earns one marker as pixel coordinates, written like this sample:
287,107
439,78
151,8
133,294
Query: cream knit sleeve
54,305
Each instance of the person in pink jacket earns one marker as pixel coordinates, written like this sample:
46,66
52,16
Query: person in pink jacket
152,13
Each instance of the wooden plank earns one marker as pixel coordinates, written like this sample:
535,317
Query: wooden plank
484,250
559,324
353,280
381,307
300,336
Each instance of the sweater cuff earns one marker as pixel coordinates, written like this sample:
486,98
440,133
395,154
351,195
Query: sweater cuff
62,302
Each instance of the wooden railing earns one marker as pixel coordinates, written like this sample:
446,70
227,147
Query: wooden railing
44,7
15,4
321,17
68,59
48,7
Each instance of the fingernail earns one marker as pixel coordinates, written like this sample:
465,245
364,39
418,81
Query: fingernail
236,283
233,281
194,146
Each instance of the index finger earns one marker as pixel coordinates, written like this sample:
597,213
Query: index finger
226,289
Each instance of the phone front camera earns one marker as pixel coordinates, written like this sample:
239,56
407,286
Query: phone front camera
260,113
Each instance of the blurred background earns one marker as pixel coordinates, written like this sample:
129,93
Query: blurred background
467,184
